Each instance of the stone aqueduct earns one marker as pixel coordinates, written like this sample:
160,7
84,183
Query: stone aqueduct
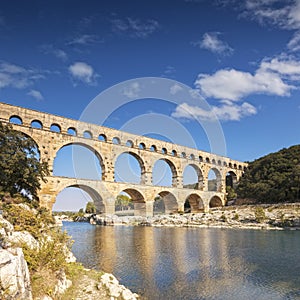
51,133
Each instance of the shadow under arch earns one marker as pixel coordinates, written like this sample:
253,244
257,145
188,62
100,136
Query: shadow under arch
231,179
214,184
193,203
138,201
169,202
199,185
76,158
95,196
215,201
142,175
172,168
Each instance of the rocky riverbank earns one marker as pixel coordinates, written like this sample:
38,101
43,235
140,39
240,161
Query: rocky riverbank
283,216
27,273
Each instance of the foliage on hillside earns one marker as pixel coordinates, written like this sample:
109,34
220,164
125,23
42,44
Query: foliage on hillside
20,168
273,178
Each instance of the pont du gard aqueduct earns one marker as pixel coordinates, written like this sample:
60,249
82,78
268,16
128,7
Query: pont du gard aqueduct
51,133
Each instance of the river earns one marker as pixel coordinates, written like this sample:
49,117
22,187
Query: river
193,263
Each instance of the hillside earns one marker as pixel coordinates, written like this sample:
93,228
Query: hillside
273,178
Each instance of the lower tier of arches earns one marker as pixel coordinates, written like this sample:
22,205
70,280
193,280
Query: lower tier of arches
143,197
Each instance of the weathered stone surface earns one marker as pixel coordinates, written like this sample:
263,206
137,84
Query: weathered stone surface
146,150
23,237
62,285
115,290
14,275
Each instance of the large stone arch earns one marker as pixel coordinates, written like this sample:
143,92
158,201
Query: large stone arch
215,201
173,169
93,150
139,160
194,202
199,185
216,186
231,179
170,202
96,197
138,200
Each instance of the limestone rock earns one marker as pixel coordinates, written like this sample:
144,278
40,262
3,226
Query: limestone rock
62,285
115,290
14,275
23,237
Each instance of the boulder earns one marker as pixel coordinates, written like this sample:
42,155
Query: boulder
14,275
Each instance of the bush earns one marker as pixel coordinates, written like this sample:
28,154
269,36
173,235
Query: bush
25,219
260,215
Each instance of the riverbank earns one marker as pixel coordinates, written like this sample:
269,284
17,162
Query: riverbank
278,217
36,262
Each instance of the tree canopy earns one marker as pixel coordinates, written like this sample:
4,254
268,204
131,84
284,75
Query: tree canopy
20,168
273,178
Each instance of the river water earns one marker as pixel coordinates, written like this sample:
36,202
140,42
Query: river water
193,263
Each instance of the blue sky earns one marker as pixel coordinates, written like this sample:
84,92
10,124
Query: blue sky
241,57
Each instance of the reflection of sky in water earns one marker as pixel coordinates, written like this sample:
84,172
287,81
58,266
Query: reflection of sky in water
181,263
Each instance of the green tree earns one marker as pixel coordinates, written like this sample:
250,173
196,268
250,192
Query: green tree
273,178
20,168
123,202
90,208
231,194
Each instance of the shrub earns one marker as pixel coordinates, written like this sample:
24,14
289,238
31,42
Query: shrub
260,215
236,217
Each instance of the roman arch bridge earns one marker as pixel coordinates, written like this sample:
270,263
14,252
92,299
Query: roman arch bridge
51,133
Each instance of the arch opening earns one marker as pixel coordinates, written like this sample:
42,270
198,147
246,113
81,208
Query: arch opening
129,144
193,204
214,180
75,197
124,205
78,160
215,201
36,124
55,128
72,131
129,167
16,120
193,178
153,148
116,141
164,173
165,203
231,179
136,201
102,138
87,134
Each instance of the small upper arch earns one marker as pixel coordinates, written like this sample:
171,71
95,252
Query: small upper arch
87,134
116,140
72,131
36,124
102,137
55,128
15,120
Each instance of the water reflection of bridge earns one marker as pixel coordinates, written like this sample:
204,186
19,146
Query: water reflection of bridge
51,133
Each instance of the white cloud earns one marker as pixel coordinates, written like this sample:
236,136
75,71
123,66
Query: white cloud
294,43
210,41
15,76
85,39
174,89
134,27
59,53
273,77
225,112
284,14
83,72
36,95
132,91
